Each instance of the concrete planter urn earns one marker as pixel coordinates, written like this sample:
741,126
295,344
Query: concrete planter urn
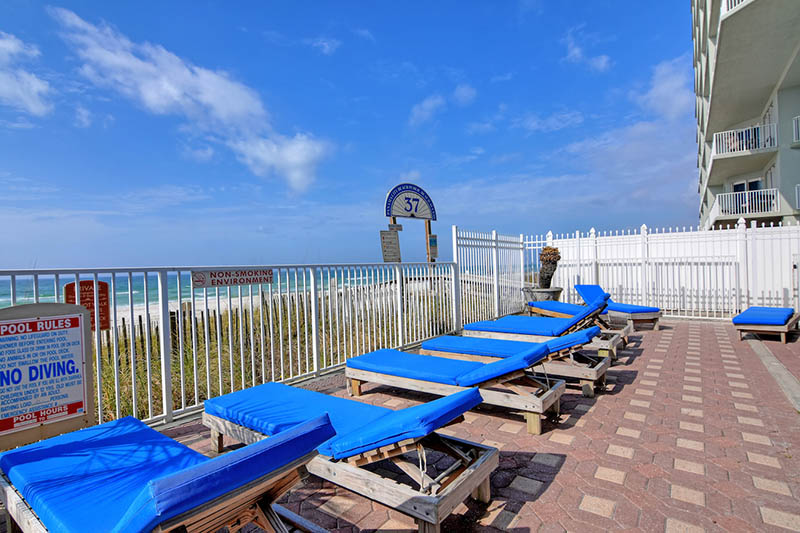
539,294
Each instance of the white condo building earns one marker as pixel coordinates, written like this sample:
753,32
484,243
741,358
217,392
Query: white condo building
747,83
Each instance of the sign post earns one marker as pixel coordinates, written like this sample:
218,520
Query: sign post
87,300
45,372
411,201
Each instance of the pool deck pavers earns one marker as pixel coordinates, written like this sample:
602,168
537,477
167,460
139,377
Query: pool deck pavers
693,434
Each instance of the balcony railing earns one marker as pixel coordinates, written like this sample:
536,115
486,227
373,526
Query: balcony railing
760,137
796,129
727,5
748,202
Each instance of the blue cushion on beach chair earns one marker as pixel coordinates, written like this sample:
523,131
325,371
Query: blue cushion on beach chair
764,316
409,423
504,348
124,476
538,325
561,307
413,366
590,293
444,370
359,427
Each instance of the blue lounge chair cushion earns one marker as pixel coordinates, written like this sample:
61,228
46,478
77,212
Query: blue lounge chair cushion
592,292
410,423
359,427
576,338
477,346
524,325
538,325
274,407
764,316
561,307
496,369
124,476
413,366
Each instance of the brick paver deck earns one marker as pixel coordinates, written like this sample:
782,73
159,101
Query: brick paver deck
692,435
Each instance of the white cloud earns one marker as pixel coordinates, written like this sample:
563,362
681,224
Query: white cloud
296,157
508,76
210,101
201,154
364,34
83,117
576,54
554,122
326,45
464,94
488,124
426,109
670,93
411,175
19,88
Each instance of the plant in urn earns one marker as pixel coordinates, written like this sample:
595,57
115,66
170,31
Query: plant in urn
549,258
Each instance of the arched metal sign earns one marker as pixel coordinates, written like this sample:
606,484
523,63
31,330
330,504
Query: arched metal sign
409,201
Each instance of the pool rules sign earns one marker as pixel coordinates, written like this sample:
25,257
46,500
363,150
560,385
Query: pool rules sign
45,372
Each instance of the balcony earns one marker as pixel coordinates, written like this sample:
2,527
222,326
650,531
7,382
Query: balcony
796,132
744,204
728,5
746,140
741,151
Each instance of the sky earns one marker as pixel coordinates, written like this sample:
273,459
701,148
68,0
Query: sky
215,133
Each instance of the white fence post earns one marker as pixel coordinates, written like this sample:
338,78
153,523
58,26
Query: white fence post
644,298
165,343
578,277
741,257
315,352
456,281
593,251
398,273
521,261
495,275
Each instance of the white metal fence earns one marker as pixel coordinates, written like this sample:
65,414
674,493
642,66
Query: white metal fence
491,273
170,347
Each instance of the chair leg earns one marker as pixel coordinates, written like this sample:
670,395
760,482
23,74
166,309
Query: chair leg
534,423
354,387
216,441
483,493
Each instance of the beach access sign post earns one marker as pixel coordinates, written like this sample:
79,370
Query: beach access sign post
411,201
87,300
45,372
229,277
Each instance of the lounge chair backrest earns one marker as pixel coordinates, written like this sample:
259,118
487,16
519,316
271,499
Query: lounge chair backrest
593,308
521,361
409,423
174,494
574,339
590,293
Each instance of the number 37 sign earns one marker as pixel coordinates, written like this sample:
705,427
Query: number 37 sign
410,201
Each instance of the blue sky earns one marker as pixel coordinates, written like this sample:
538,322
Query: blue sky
166,133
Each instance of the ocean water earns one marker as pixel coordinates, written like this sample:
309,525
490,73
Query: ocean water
47,287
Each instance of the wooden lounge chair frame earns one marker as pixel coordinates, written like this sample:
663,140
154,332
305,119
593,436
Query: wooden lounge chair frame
429,501
606,346
605,327
534,398
250,503
769,329
569,363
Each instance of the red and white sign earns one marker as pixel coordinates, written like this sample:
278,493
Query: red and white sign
87,300
202,279
41,371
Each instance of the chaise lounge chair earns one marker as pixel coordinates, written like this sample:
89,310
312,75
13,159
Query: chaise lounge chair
564,359
556,309
505,383
124,476
367,434
630,313
541,329
769,320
